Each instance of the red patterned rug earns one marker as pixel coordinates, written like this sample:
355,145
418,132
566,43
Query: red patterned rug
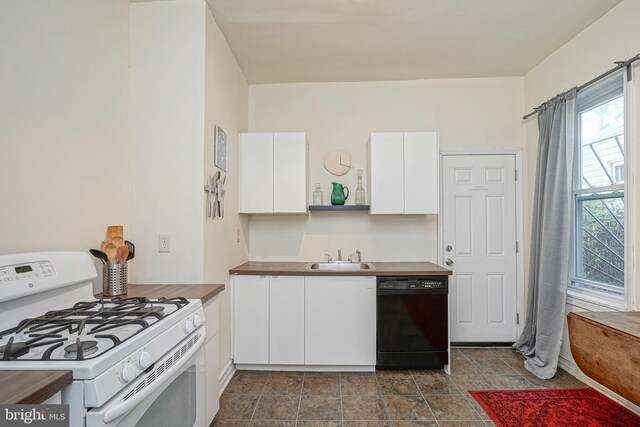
574,407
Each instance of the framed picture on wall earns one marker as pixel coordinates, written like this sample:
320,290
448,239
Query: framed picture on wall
220,149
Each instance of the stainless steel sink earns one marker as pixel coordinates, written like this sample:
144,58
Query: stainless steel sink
340,266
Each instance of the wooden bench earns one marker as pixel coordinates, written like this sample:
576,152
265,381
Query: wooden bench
606,347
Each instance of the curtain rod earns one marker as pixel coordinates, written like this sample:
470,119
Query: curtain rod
619,65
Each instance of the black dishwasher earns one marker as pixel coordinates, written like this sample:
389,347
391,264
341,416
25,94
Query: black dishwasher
412,322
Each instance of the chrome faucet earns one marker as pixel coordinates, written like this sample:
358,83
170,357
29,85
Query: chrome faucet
358,254
339,254
329,258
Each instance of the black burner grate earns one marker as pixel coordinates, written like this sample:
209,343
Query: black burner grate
91,319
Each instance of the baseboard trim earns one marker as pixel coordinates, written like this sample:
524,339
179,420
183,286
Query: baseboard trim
307,368
482,344
225,375
566,362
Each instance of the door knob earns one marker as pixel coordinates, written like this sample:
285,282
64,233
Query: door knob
448,248
449,262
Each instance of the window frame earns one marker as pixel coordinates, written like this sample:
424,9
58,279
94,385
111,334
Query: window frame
583,292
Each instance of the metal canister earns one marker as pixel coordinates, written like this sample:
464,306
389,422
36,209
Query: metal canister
114,279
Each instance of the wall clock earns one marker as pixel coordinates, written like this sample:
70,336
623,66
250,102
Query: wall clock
338,162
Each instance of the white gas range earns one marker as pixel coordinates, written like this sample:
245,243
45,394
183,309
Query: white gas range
135,362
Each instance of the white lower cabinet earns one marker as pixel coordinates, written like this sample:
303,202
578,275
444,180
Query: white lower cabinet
212,358
286,320
251,319
312,321
340,320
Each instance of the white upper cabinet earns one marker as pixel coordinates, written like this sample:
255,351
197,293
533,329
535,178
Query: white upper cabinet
387,173
289,172
404,172
256,172
273,172
421,159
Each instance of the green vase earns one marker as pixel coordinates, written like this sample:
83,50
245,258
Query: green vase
339,194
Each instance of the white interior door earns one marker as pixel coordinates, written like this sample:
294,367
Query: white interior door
479,245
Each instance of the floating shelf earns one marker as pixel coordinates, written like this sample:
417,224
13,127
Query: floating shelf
339,208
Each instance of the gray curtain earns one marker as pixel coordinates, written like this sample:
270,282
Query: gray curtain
551,235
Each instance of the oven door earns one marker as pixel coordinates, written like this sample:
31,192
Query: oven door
169,394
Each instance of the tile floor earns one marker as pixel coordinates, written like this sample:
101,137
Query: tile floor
383,398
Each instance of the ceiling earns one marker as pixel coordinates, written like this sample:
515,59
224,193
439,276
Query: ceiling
359,40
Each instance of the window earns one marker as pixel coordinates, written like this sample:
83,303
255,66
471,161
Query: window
599,190
618,173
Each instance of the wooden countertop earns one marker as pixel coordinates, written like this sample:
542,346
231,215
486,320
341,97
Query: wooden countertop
627,322
300,269
203,292
605,346
31,387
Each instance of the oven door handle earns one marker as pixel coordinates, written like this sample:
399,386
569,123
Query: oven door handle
124,407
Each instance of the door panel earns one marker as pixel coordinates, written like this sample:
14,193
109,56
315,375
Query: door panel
256,175
421,160
387,173
290,172
406,323
286,320
251,319
495,300
340,320
463,297
463,226
495,226
479,222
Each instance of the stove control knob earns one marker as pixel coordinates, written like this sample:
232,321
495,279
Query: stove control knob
144,360
189,326
127,373
197,321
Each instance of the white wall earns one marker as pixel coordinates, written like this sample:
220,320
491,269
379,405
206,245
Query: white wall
64,161
467,113
167,83
226,104
184,80
613,37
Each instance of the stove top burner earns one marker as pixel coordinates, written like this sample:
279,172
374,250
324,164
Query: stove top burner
115,320
17,349
82,348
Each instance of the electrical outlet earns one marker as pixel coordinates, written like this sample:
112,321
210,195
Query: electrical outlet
164,243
